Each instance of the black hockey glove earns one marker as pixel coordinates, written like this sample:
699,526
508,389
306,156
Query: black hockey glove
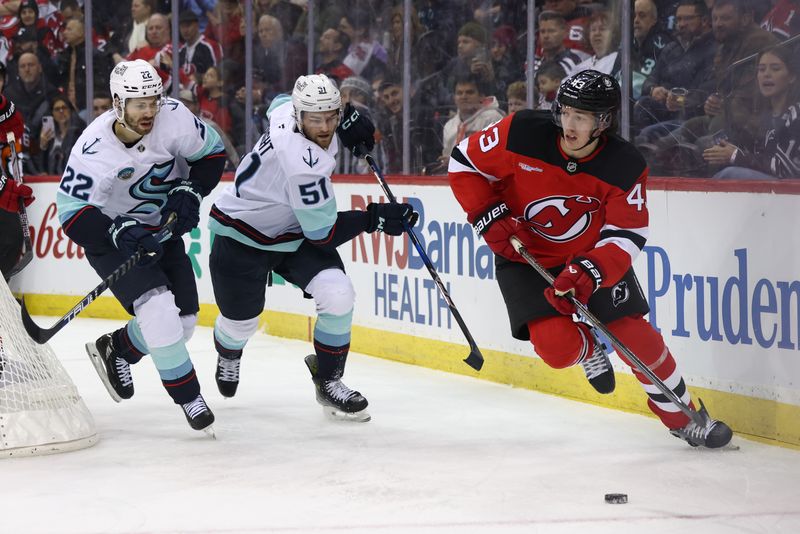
391,219
356,131
129,235
184,201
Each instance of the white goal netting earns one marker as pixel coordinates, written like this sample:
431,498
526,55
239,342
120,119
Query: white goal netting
41,411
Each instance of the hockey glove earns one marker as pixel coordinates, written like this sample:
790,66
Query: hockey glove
581,278
11,192
495,224
392,218
184,201
129,235
356,131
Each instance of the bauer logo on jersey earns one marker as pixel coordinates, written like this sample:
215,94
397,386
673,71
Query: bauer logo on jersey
620,293
560,218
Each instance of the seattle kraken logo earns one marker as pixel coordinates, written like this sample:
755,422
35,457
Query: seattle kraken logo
311,161
151,188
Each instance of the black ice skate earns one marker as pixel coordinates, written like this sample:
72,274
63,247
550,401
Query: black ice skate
114,372
227,375
199,415
337,400
712,434
597,367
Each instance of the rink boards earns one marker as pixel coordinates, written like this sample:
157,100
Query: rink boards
720,271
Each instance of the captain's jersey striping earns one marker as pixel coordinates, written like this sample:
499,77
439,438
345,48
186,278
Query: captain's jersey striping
282,192
565,207
133,181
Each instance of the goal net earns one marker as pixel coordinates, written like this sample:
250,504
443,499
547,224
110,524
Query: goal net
41,411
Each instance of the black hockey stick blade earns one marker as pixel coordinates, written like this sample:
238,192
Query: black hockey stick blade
23,262
475,358
42,335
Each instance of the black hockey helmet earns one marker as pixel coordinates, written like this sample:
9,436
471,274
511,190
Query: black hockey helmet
589,90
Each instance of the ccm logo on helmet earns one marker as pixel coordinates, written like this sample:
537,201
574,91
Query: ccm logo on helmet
560,218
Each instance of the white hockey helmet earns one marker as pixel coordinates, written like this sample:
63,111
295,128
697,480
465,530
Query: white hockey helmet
315,92
133,79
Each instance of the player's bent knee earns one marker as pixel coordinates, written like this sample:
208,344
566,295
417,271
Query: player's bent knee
333,292
557,340
239,330
189,322
159,318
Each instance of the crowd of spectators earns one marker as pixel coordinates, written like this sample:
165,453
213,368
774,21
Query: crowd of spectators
714,86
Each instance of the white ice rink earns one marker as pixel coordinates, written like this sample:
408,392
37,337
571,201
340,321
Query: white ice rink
442,453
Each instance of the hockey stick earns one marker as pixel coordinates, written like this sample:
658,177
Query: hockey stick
42,335
475,358
596,323
14,170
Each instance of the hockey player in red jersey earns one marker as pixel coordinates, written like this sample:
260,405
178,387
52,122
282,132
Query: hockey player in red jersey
11,192
575,194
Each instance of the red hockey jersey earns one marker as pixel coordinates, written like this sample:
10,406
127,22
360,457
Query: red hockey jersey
593,207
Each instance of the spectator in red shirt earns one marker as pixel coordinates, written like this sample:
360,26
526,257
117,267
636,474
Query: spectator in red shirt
212,101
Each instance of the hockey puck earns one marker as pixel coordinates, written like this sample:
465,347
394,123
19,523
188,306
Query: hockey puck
616,498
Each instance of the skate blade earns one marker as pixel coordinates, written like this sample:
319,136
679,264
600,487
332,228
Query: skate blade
334,414
97,363
209,430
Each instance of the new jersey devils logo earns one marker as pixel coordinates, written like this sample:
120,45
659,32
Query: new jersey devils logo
561,218
620,293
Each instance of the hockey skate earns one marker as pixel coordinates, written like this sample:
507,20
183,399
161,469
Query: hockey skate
712,435
199,415
598,369
337,400
227,375
114,372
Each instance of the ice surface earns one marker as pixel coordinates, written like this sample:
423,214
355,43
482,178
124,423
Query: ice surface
442,453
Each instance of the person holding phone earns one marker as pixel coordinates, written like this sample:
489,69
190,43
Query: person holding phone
59,133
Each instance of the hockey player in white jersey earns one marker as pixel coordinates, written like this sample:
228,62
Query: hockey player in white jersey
280,215
128,172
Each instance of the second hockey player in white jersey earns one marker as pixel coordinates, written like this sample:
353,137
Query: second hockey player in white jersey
128,172
280,215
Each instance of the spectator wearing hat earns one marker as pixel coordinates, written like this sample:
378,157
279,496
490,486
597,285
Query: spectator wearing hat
71,65
357,91
201,8
26,40
28,15
333,45
197,52
472,57
505,58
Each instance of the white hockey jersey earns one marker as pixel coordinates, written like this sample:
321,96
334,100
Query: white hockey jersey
282,192
103,172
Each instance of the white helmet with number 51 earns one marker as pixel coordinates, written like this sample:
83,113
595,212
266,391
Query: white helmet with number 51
133,79
315,92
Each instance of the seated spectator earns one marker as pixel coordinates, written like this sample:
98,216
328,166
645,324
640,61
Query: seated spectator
268,52
71,65
577,18
29,20
778,154
472,57
26,41
517,97
649,39
506,63
333,45
548,80
224,27
684,64
474,111
552,35
604,38
212,101
101,102
197,52
56,144
131,32
158,35
262,95
189,100
356,90
31,93
396,41
366,57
